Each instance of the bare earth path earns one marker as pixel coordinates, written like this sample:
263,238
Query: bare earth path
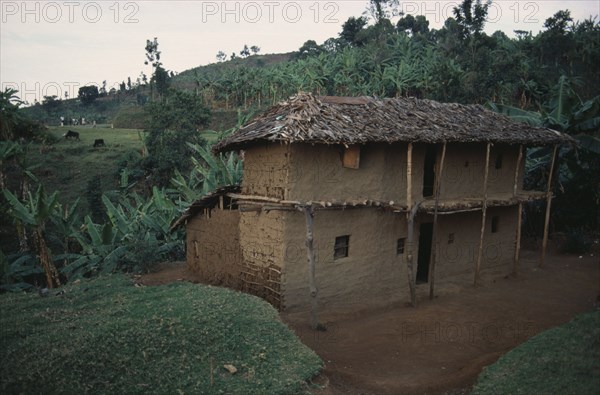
441,346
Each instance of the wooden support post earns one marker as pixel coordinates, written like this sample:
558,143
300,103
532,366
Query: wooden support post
410,254
410,214
518,241
483,214
519,215
309,214
433,257
409,178
519,159
548,205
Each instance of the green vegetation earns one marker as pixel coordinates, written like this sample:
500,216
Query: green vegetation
563,360
126,224
102,110
578,169
88,94
68,166
130,116
457,63
173,124
13,124
33,215
107,336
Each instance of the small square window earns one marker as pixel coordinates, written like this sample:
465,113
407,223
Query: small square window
351,157
451,238
342,245
400,246
495,222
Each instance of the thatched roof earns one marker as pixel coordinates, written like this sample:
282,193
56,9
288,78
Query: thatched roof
207,201
358,120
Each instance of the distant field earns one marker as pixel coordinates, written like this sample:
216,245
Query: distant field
68,165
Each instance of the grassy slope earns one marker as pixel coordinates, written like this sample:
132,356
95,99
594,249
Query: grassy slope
70,164
107,336
563,360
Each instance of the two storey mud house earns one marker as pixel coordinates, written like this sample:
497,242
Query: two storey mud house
350,202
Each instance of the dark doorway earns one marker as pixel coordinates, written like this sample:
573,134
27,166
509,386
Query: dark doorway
425,239
429,170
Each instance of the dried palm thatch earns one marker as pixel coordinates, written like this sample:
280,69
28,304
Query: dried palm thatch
358,120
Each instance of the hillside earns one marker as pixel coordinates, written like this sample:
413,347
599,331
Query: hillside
125,109
188,79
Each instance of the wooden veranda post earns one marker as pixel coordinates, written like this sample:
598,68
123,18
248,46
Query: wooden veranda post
410,253
435,230
312,284
516,183
483,215
410,225
409,177
519,215
518,241
548,205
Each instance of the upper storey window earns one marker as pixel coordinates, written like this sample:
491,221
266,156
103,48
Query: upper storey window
351,157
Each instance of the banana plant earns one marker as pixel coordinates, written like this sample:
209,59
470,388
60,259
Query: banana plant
14,270
216,171
158,215
9,111
34,213
65,227
402,77
8,151
578,168
102,250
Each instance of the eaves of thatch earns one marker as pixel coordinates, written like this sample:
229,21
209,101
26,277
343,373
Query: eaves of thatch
207,201
305,118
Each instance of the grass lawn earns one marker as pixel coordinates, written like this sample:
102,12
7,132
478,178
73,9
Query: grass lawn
107,336
562,360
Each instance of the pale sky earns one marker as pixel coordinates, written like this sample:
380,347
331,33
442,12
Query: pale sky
49,47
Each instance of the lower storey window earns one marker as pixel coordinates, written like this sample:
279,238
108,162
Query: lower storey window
400,246
342,245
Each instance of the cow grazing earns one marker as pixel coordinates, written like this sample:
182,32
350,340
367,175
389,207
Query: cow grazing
99,143
71,135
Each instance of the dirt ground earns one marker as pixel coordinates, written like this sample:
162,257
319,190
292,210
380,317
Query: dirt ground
441,346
